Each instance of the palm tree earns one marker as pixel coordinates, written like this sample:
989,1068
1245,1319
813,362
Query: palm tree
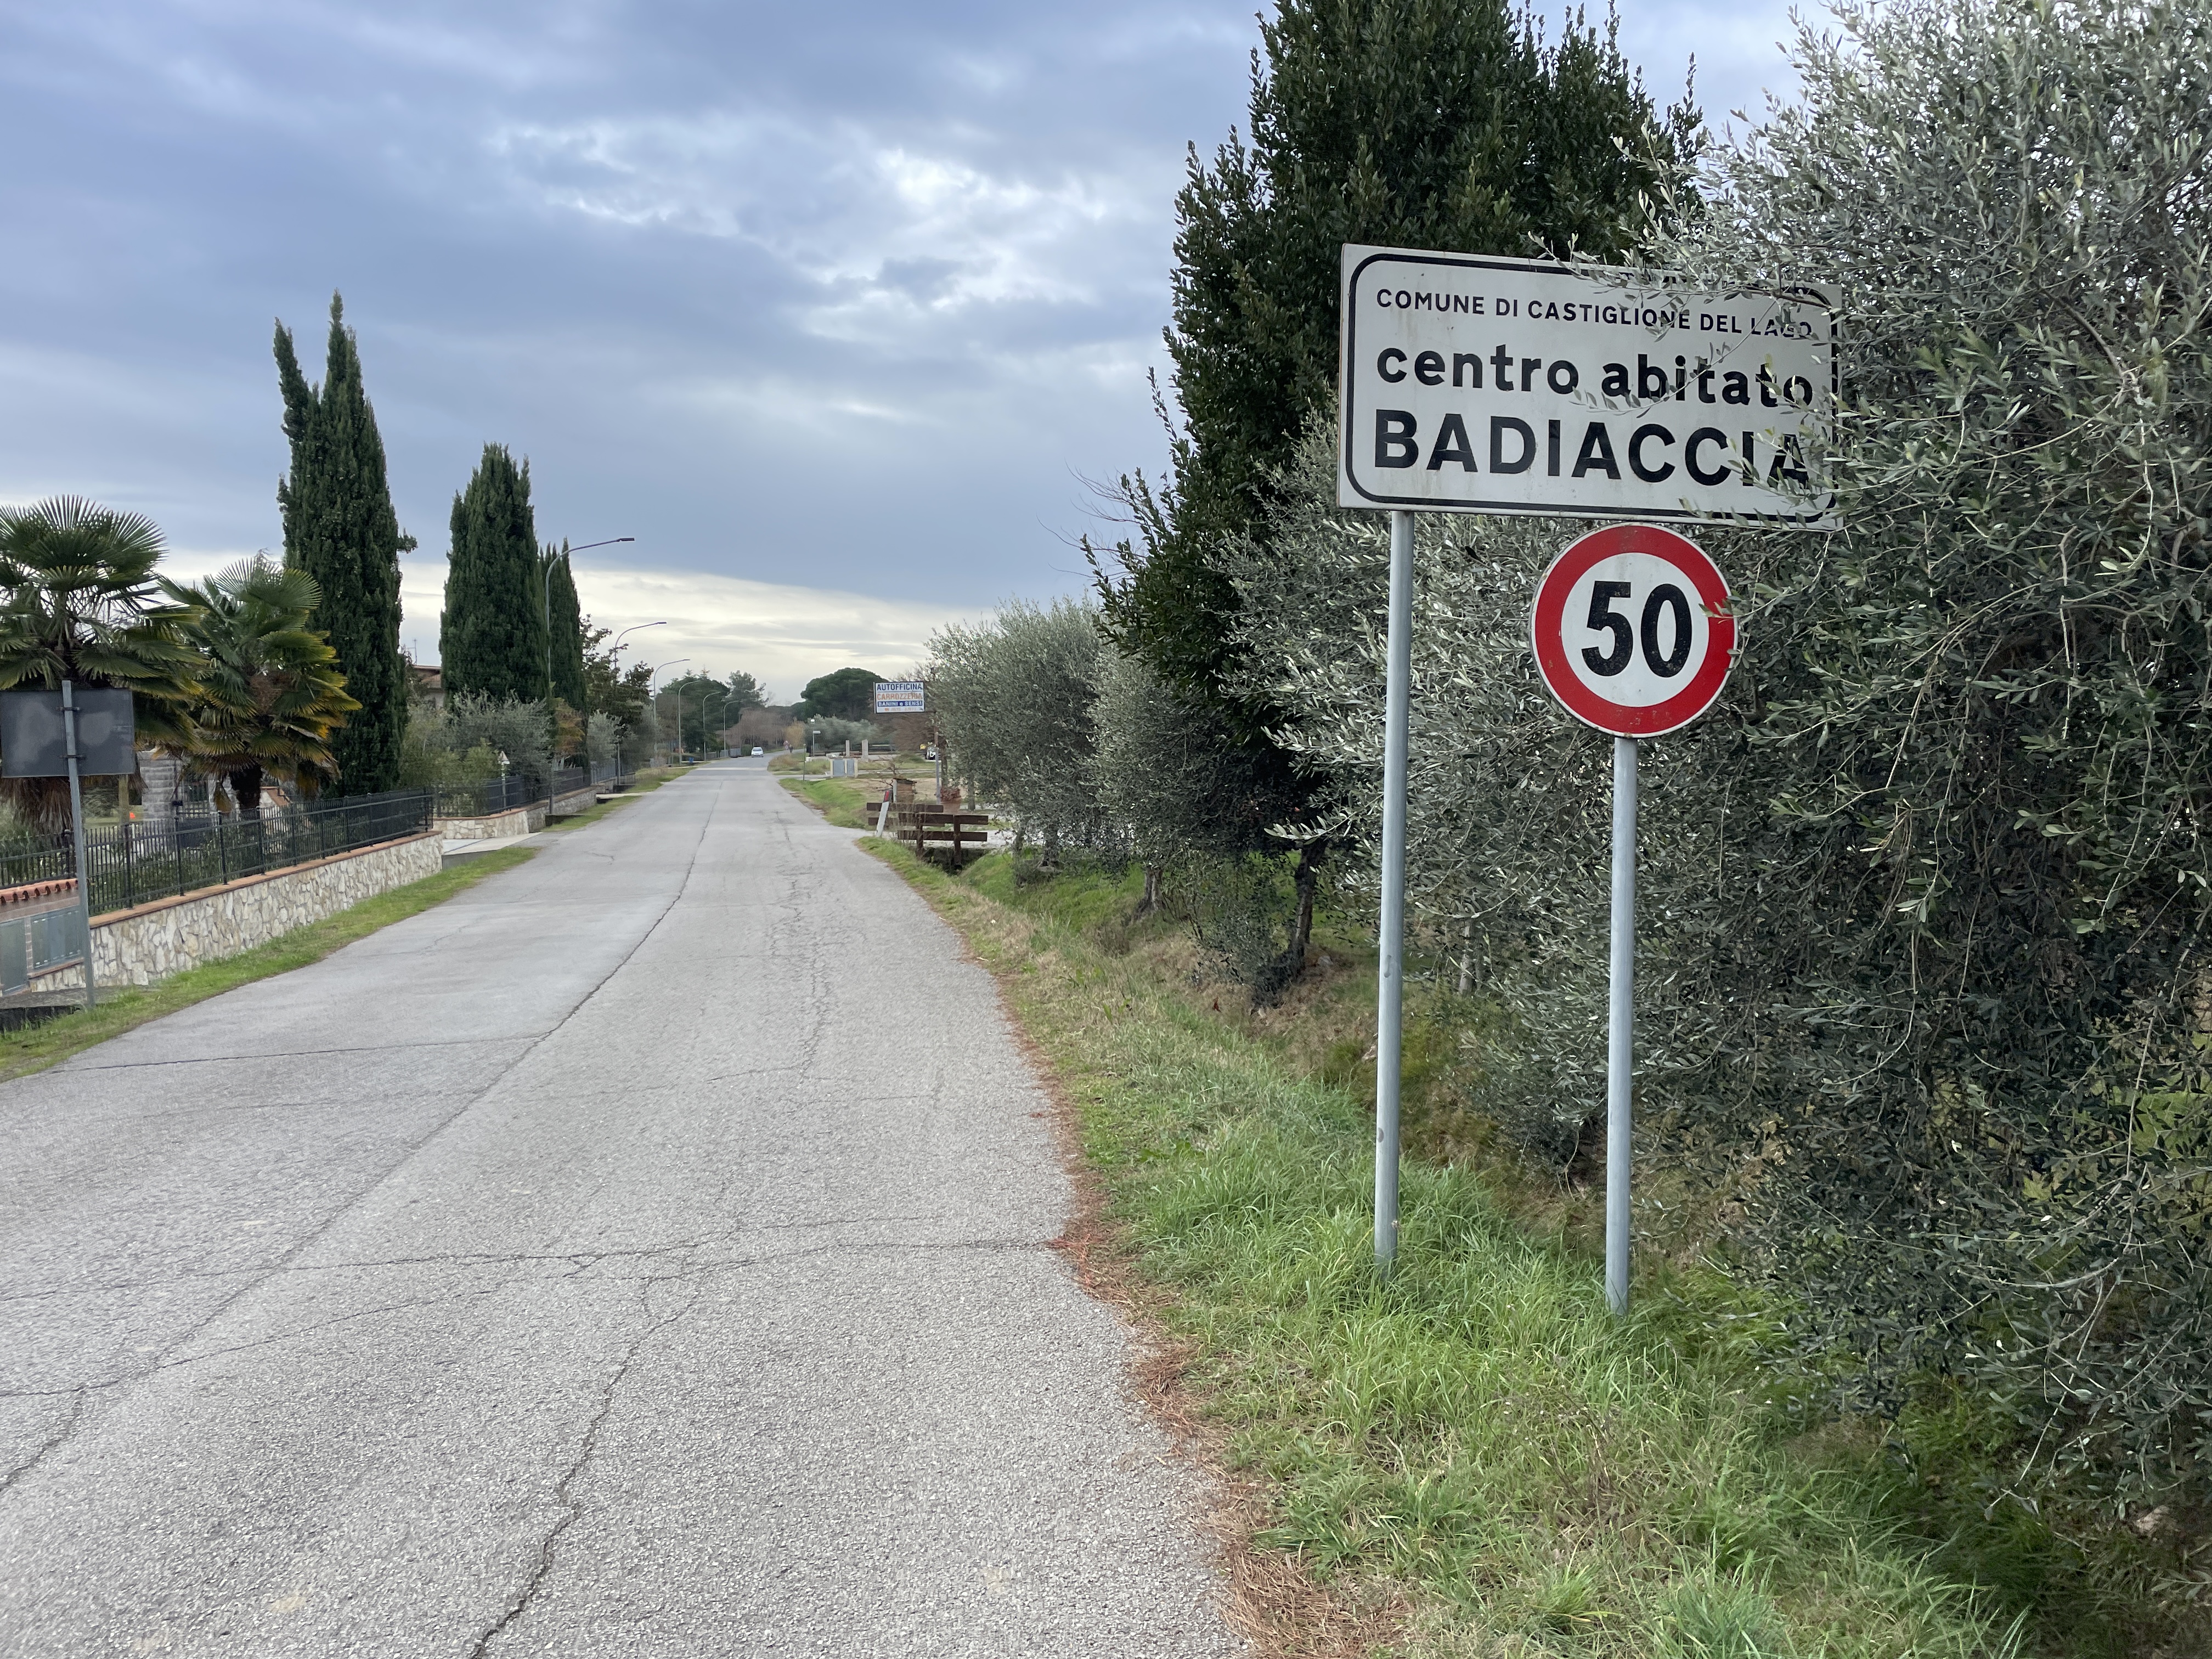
270,692
79,601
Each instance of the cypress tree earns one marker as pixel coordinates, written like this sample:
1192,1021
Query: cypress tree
340,529
1429,123
568,624
491,638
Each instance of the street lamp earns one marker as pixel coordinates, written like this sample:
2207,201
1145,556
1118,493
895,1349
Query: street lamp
632,629
655,675
545,603
545,617
723,703
679,715
615,650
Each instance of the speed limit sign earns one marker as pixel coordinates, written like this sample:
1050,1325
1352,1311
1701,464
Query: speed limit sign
1634,635
1633,630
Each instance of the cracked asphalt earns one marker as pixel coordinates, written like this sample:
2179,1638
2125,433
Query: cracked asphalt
645,1252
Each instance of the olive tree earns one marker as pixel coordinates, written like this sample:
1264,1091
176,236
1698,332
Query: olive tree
1924,930
1014,696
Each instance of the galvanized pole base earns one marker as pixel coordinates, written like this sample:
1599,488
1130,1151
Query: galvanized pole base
1620,1045
1390,966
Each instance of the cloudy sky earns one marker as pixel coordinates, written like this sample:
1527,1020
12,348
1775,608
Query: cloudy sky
835,307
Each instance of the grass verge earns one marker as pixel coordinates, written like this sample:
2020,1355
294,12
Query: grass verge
1473,1450
841,800
37,1047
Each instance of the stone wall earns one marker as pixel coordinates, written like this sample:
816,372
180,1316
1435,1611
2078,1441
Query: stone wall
133,947
496,826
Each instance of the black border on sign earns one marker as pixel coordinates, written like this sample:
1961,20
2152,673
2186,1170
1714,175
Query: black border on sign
1345,352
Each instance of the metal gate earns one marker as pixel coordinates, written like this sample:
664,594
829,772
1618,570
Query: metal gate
39,944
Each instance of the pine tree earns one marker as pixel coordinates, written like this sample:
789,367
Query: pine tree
567,625
849,694
340,530
491,638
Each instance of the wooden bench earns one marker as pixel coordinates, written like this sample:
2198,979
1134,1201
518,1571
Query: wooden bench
932,829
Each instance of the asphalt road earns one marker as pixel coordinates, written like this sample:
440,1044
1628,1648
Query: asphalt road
642,1253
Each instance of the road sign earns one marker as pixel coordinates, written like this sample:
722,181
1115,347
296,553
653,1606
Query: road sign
1633,630
32,735
1478,385
1633,634
901,697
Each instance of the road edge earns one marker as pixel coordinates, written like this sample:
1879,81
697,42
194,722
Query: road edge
1275,1605
125,1008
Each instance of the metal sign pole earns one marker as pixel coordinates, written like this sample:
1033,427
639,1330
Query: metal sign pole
1400,423
1620,1044
77,835
1390,966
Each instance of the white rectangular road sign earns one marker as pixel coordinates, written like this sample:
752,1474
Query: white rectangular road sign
900,697
1479,385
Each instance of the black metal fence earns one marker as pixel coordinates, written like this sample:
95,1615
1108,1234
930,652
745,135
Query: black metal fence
482,797
158,856
486,796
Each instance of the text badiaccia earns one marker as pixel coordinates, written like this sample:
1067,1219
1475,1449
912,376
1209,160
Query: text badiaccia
1710,455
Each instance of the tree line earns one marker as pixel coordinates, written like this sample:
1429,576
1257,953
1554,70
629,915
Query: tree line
1925,900
292,672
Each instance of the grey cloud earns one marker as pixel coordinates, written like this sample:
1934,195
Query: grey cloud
847,295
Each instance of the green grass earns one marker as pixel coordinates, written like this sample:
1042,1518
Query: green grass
37,1047
1473,1440
841,800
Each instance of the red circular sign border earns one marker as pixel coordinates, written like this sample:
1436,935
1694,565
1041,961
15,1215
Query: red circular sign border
1548,637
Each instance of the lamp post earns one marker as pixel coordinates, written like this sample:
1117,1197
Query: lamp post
655,675
679,716
723,693
616,647
545,603
615,650
545,617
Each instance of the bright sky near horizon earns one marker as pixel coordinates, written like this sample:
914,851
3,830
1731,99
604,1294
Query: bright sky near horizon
835,308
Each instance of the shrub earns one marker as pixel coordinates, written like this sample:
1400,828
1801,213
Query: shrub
476,737
1925,1000
1014,698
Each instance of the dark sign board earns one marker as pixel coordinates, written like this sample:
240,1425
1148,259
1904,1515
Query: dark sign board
33,743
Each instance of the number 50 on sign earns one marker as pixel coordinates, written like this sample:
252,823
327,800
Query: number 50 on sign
1633,630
